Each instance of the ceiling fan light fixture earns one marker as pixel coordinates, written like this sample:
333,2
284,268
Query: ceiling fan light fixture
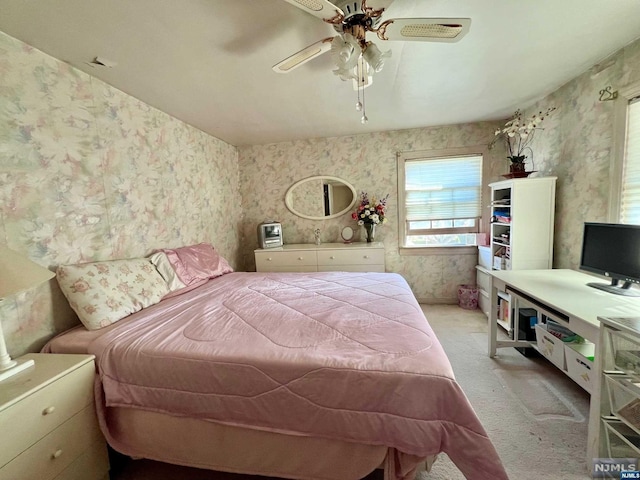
374,57
341,51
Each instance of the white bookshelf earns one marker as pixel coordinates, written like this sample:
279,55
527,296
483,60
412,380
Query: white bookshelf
522,215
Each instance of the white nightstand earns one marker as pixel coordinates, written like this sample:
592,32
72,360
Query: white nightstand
48,424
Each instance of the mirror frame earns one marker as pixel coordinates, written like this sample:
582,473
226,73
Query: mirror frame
288,197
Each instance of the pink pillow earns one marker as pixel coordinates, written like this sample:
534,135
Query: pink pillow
196,263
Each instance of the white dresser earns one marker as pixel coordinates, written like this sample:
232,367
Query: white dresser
327,257
48,424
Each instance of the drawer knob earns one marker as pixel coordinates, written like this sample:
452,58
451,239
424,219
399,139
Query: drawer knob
366,256
299,258
269,259
57,453
332,257
49,410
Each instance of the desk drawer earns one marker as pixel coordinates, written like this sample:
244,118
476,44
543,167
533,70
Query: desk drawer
38,414
356,256
57,450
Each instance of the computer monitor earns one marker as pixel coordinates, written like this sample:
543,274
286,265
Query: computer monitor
612,250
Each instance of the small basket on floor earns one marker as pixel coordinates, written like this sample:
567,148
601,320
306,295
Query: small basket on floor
468,297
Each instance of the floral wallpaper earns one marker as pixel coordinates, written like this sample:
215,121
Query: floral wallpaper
368,162
577,147
89,173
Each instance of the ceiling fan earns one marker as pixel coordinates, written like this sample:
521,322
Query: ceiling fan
352,19
355,57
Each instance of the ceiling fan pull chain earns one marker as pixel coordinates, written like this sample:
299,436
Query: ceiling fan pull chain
364,118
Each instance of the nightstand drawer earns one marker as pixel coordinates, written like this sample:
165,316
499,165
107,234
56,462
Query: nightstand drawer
39,413
361,256
56,451
93,463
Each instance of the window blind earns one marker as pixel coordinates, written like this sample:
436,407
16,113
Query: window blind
630,198
443,188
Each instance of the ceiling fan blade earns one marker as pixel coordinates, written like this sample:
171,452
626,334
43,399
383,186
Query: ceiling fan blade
424,29
303,56
323,9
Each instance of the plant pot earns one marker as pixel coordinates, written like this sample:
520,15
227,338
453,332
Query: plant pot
516,167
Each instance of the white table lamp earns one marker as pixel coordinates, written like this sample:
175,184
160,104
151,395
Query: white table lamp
17,273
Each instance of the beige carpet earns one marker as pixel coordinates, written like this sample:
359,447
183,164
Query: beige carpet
535,415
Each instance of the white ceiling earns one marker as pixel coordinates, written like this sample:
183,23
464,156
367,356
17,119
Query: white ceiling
208,62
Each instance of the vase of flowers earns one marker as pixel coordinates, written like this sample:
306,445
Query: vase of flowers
517,134
369,213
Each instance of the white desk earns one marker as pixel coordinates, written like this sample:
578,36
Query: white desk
564,296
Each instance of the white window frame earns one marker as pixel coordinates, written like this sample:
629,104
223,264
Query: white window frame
625,95
402,157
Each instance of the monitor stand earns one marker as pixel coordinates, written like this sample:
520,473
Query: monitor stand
624,289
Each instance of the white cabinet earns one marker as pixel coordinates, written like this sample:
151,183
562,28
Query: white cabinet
49,411
521,236
346,257
522,219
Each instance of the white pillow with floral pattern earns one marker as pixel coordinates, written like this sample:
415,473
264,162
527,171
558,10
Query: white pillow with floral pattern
101,293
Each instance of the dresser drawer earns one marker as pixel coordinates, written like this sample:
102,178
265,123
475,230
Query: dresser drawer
57,450
267,261
352,268
287,268
41,412
483,302
483,280
359,256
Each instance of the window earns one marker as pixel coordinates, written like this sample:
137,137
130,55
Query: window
440,198
630,191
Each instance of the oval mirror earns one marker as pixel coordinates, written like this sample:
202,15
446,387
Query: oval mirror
320,197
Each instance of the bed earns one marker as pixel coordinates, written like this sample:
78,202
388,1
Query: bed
318,376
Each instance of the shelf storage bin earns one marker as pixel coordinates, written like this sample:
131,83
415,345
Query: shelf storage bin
551,347
579,358
624,399
625,354
621,441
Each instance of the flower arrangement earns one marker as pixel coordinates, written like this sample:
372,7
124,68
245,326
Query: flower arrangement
370,211
518,134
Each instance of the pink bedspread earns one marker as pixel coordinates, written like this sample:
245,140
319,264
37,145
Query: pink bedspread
338,355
